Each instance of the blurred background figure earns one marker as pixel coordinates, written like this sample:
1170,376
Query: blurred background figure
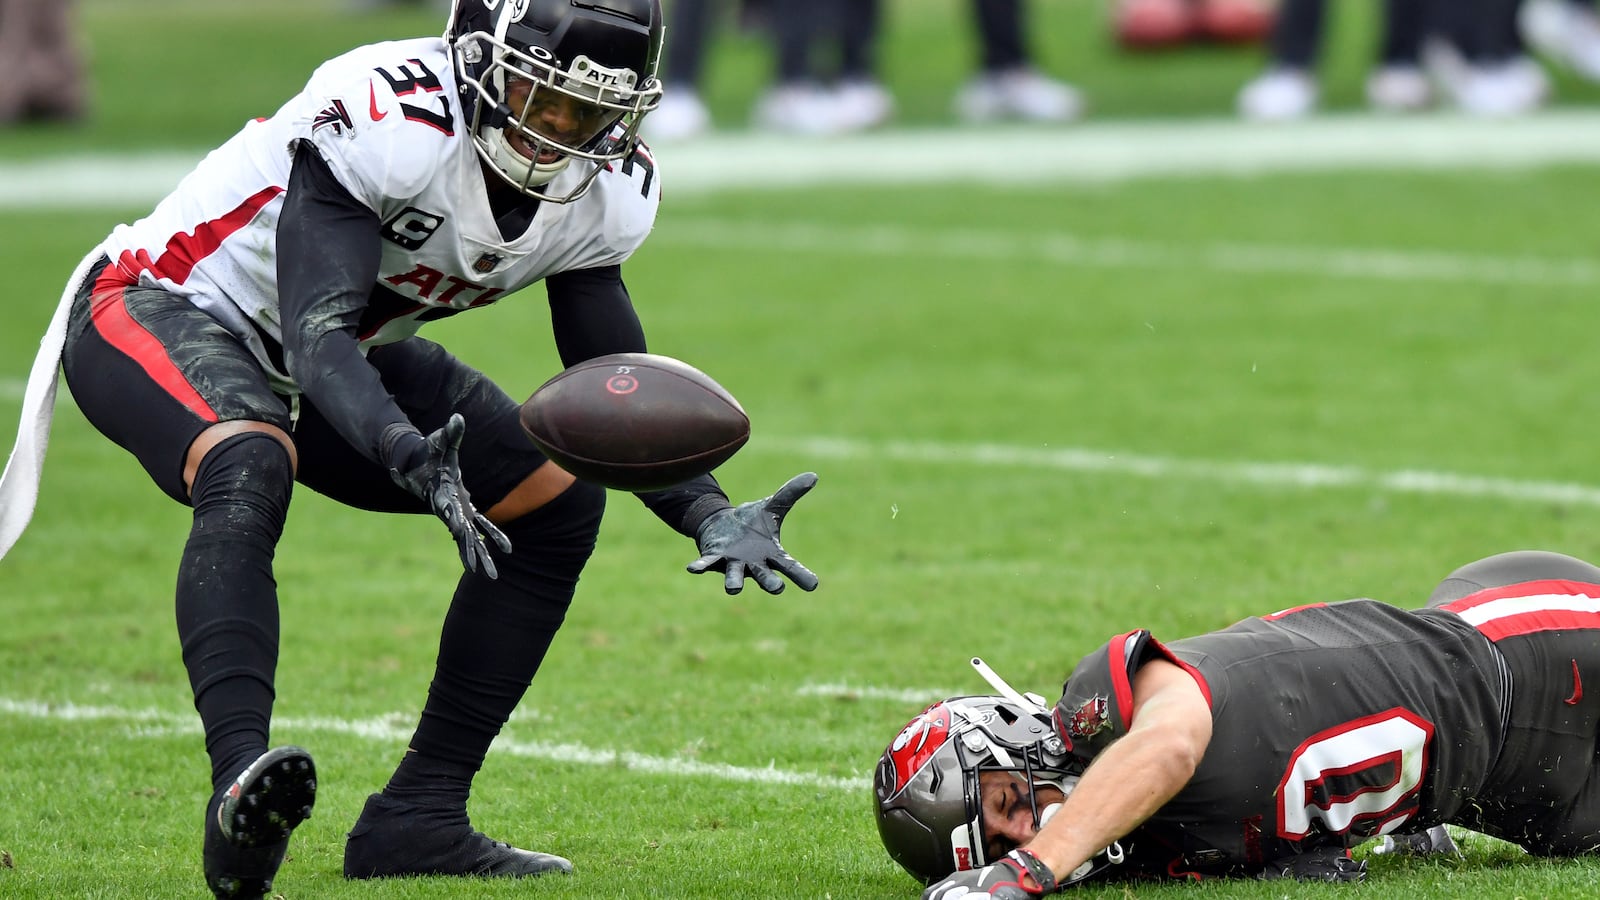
1008,84
825,79
1168,24
1480,61
683,113
1289,87
44,72
1467,52
825,69
1567,31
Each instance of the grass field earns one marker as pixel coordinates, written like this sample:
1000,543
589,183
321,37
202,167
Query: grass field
1041,415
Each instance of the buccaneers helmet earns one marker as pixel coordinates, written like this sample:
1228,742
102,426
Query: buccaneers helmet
595,59
928,809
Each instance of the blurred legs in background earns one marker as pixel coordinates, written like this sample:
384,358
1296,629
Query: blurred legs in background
1567,31
1469,49
824,79
812,94
44,78
1397,81
1289,88
683,113
1008,85
1481,61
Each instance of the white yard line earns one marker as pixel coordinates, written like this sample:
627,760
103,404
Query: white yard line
1024,158
1256,474
149,722
918,697
933,245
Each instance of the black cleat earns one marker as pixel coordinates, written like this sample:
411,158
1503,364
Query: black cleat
394,839
248,822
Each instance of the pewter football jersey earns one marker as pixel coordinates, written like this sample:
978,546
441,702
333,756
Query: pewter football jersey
387,120
1331,723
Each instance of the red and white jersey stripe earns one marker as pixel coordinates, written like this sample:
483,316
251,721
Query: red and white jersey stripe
1530,607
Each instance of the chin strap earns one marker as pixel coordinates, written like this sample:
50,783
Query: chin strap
521,170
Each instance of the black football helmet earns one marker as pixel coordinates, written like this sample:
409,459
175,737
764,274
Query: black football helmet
595,57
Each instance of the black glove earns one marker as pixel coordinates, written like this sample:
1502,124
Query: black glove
435,478
1001,881
1319,864
745,539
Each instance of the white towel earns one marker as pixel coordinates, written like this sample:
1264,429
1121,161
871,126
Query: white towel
19,485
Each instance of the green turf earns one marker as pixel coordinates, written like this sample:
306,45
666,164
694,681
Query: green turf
1147,341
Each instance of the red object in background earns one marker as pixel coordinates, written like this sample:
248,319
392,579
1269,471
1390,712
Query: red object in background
1154,24
1165,24
1234,21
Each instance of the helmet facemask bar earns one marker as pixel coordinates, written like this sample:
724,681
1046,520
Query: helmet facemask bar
607,103
977,753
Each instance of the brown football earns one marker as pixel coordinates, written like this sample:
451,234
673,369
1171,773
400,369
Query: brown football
635,421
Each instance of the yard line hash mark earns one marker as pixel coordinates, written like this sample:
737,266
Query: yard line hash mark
1258,474
913,696
1061,248
398,728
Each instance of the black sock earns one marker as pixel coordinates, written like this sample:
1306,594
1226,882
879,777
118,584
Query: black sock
227,603
495,636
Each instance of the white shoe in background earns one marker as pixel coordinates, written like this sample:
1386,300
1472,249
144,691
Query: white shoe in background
1279,95
1498,90
804,108
1565,32
1399,89
1017,94
862,104
680,117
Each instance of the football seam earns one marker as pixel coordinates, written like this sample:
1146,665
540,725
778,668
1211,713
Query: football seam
735,445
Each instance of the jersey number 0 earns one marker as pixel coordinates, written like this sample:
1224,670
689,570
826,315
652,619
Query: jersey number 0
1362,777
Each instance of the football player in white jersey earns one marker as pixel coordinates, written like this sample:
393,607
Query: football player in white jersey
258,328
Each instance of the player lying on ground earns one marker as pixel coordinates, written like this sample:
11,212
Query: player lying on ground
259,329
1271,747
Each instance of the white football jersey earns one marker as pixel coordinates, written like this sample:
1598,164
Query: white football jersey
387,120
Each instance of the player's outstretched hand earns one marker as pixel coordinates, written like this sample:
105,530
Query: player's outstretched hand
1002,881
744,540
437,481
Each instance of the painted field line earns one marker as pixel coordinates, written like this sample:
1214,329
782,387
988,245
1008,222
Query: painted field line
1066,249
398,728
911,696
1257,474
1019,157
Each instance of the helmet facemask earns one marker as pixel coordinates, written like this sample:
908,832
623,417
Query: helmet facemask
929,782
520,95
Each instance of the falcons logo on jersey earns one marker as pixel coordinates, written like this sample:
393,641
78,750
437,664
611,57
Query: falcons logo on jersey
334,116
